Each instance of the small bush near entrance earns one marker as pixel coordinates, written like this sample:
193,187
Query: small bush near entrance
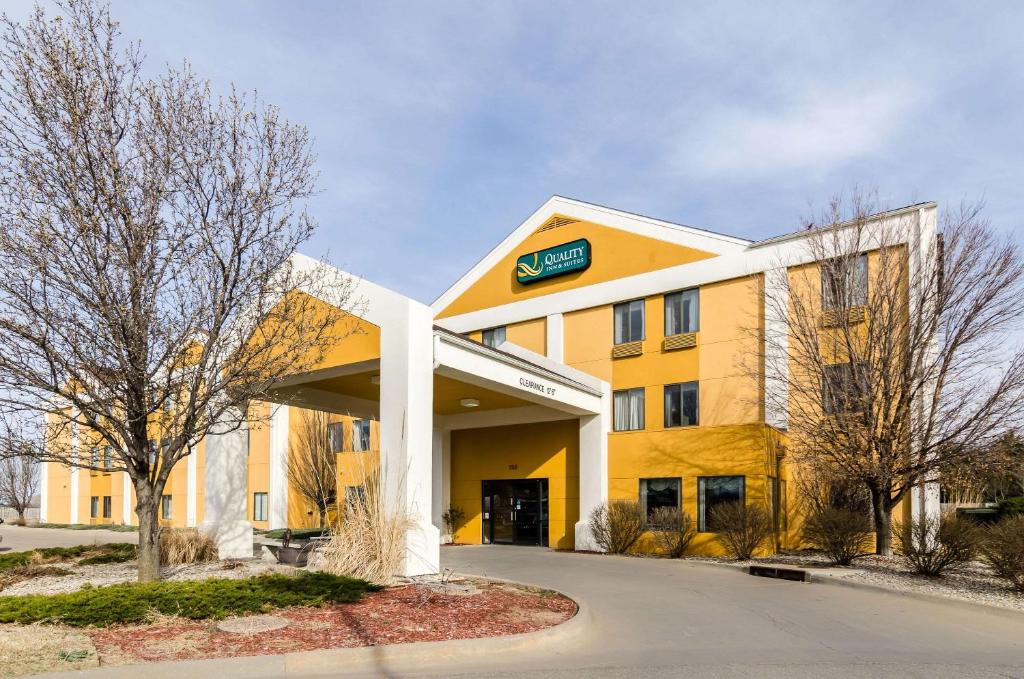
1003,548
841,534
186,545
933,546
617,525
742,528
673,531
196,600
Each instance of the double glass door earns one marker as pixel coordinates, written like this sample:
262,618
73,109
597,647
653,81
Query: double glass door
515,512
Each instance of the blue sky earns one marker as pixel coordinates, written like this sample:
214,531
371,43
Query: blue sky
441,126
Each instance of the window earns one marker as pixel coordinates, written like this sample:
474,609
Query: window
354,495
657,493
108,456
715,491
94,457
259,506
681,405
106,507
165,507
629,321
629,409
844,282
94,507
840,391
682,312
360,435
335,436
494,337
152,452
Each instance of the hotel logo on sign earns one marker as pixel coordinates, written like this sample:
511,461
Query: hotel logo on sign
553,261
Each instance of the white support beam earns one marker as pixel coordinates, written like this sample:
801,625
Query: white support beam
225,492
279,423
776,348
594,430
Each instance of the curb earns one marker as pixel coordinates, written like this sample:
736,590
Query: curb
838,581
365,659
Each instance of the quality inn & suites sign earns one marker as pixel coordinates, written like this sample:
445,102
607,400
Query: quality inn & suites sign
553,261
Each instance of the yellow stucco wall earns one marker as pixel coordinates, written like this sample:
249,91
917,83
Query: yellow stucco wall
532,451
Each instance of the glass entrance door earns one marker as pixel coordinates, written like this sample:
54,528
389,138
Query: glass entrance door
515,512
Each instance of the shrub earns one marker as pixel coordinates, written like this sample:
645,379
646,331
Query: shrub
1002,546
741,528
673,531
186,545
932,546
1012,505
841,534
617,525
453,518
197,600
118,552
115,552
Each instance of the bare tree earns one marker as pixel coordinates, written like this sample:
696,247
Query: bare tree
19,476
147,286
898,355
313,464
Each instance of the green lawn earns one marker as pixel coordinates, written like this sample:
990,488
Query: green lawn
197,600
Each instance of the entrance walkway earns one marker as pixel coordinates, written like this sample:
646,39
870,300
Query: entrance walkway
656,617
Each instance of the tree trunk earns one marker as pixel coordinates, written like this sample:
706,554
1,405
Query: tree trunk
149,537
882,515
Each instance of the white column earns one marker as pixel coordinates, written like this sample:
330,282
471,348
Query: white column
555,345
74,474
191,469
225,489
406,430
126,499
441,477
594,431
44,493
278,517
776,348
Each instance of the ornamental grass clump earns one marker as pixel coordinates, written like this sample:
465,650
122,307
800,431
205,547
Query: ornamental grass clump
1002,547
179,546
932,546
841,534
673,531
617,525
742,529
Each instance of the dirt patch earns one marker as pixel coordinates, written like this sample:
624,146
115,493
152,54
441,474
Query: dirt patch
396,615
31,649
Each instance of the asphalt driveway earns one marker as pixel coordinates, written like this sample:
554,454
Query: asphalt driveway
662,618
21,538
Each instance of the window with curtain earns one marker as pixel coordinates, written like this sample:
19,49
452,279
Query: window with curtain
657,493
682,312
107,506
715,491
260,506
335,437
360,435
165,507
844,282
94,507
628,405
494,337
681,407
629,321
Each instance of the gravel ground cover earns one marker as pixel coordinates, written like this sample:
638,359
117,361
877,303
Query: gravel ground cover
110,574
976,583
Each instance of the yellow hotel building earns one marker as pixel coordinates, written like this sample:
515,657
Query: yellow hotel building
591,355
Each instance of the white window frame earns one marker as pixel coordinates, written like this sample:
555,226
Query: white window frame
626,398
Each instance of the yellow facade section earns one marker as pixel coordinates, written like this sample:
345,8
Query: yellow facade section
531,451
530,335
615,253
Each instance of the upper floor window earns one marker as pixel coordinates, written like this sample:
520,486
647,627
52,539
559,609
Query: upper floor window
843,388
335,437
360,435
682,312
166,511
681,404
844,282
494,337
628,405
629,321
94,457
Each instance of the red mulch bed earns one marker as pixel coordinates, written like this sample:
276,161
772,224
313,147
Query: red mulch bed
395,615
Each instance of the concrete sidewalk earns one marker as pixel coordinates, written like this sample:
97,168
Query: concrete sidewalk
22,538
